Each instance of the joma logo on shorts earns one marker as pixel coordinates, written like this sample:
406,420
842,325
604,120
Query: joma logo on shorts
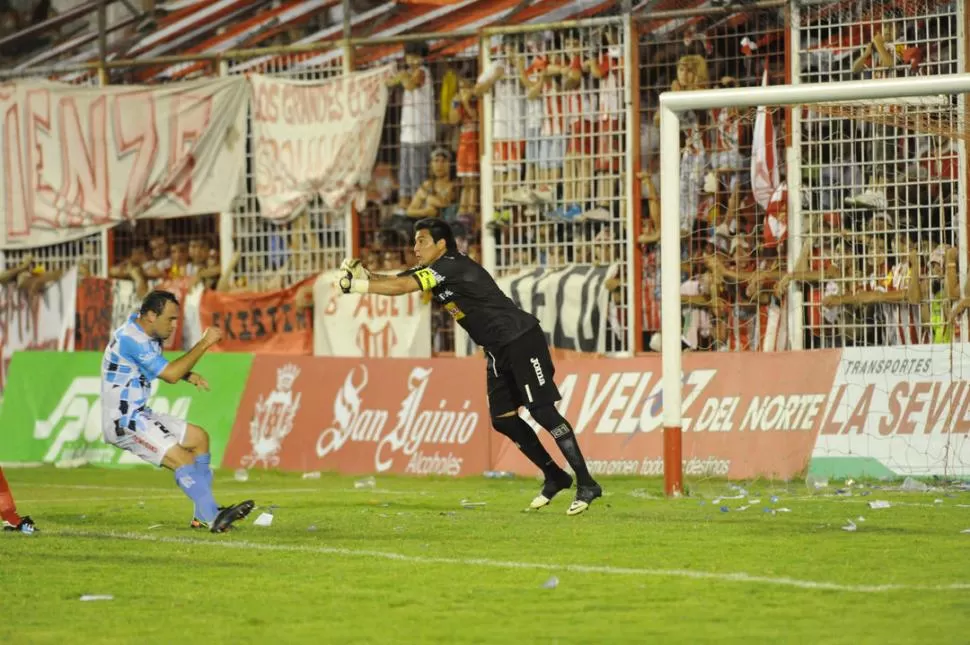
538,368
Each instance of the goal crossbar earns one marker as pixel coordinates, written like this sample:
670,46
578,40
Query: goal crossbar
672,104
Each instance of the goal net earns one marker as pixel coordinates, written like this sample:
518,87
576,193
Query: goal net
816,209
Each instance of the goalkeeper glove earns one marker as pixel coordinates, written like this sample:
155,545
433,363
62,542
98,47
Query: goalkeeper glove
349,284
355,268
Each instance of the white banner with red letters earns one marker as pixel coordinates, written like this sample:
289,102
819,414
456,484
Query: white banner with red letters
77,159
369,325
316,138
40,318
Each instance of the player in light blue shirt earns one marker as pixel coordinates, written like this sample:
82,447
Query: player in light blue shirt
132,360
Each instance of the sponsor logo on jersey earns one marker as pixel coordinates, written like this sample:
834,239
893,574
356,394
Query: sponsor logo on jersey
537,366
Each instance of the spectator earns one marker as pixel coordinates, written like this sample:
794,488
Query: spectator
391,261
943,286
435,195
578,106
692,74
699,300
962,304
260,279
13,274
530,77
138,258
160,262
133,269
819,267
372,260
181,265
36,277
552,150
608,69
903,318
508,124
726,157
201,268
879,55
417,121
305,254
465,114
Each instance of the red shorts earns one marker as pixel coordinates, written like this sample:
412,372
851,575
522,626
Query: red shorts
609,153
579,138
507,153
467,161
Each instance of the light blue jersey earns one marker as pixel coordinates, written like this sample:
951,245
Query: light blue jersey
131,362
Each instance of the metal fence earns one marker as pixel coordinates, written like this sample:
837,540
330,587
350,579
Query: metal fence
557,164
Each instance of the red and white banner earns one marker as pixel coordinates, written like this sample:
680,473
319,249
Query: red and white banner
41,320
260,322
764,155
369,325
77,159
316,138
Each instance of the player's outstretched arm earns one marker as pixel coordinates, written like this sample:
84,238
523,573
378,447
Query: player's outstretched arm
181,366
388,286
394,286
359,272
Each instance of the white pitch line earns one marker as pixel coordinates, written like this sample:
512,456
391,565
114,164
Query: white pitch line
219,493
232,485
91,487
738,577
73,500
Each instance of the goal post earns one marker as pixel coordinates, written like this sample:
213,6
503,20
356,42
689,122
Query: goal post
672,106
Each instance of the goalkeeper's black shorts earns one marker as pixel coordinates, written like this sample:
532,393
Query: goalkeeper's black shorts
521,373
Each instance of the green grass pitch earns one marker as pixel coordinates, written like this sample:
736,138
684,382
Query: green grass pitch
406,562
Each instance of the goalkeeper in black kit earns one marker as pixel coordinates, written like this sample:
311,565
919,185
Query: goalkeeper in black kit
520,369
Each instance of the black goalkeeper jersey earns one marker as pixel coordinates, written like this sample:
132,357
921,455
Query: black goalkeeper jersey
467,291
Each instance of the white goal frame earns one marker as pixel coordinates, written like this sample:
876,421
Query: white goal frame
672,105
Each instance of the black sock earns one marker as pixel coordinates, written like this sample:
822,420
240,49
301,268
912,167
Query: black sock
566,440
528,444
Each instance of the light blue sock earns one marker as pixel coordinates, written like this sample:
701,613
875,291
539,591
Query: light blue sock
196,486
204,472
203,463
